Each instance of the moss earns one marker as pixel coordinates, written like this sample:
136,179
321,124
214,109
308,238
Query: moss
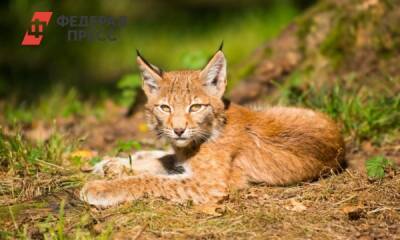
321,6
377,24
387,40
305,22
339,41
304,28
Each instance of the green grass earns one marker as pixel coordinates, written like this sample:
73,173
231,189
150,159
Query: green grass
59,102
35,177
32,173
371,117
45,166
29,172
24,159
36,168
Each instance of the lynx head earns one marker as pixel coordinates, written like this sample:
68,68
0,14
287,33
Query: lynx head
186,107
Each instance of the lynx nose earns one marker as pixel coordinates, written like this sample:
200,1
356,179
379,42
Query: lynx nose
179,131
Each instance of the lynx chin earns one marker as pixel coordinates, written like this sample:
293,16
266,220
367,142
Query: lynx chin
218,146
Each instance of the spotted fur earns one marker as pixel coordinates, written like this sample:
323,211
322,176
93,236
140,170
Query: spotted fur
221,145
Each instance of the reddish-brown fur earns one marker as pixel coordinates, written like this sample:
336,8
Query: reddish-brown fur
224,146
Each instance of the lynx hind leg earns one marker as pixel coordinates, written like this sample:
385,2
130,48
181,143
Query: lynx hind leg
150,162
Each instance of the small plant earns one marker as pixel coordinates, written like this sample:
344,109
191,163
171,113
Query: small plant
376,167
127,146
94,160
20,157
129,85
58,102
53,227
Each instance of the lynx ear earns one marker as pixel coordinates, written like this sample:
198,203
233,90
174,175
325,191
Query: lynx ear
151,75
214,74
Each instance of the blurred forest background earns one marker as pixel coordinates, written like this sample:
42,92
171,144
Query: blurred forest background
65,104
174,35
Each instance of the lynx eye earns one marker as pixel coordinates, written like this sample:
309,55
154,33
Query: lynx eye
195,107
165,108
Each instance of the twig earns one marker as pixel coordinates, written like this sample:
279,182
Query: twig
348,172
345,200
140,232
382,209
50,164
360,188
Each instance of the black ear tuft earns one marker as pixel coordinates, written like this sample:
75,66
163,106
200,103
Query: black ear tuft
154,68
138,53
221,46
141,57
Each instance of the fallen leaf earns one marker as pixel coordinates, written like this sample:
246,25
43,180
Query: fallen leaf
142,127
296,206
353,212
84,154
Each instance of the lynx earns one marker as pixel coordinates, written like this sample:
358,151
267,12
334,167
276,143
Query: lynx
218,146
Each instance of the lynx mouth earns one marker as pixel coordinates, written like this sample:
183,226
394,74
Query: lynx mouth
181,142
181,138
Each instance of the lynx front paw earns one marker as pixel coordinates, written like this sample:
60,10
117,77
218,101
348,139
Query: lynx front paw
139,162
102,194
113,167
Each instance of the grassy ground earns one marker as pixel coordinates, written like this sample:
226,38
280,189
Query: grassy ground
40,176
45,145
